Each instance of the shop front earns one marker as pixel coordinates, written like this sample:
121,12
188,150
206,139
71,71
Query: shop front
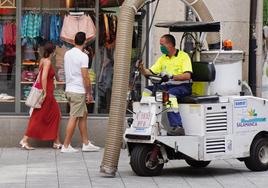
25,25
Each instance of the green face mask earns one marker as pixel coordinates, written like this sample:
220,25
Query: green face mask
164,50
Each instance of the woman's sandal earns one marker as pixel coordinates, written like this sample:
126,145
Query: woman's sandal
25,145
57,146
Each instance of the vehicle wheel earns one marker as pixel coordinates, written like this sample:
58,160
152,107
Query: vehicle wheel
140,164
197,164
258,159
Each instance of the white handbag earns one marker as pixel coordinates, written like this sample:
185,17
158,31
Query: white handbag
35,97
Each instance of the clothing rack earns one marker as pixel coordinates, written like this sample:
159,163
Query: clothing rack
107,11
57,9
7,18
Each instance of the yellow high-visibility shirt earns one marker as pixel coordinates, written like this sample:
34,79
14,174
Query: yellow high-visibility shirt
178,64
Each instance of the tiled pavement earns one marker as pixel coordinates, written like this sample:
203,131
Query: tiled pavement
48,168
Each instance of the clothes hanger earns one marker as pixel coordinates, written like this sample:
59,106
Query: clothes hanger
76,12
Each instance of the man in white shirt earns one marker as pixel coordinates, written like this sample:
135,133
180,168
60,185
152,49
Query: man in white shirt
78,92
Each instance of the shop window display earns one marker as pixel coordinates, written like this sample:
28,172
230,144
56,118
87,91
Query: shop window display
43,20
7,59
52,22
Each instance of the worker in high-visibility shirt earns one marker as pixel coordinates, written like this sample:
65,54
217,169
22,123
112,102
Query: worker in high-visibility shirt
177,67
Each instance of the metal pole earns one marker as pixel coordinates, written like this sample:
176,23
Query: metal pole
97,56
18,58
252,47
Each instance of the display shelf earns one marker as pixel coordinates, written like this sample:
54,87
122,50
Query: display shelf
30,63
25,82
23,101
60,83
7,101
62,101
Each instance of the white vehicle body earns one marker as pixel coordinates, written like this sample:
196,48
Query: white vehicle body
219,130
212,130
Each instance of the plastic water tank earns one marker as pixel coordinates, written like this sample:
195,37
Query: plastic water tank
228,66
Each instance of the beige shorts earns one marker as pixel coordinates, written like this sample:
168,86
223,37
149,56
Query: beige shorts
77,103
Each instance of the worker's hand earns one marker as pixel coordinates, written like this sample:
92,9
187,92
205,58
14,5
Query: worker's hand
140,65
138,62
165,78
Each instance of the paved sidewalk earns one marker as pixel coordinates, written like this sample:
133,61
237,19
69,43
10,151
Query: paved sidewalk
48,168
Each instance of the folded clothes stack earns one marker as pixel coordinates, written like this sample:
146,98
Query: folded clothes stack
59,95
92,76
25,91
61,75
29,76
6,97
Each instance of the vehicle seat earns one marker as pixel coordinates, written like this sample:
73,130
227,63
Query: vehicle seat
202,72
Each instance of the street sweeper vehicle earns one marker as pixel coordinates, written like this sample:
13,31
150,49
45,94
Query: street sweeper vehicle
216,125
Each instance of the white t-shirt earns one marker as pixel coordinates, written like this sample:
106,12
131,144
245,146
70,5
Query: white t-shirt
74,60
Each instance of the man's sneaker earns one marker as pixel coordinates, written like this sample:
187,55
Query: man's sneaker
69,149
176,131
90,147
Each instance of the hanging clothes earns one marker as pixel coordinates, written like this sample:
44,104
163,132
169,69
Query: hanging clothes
37,25
55,28
74,24
24,25
108,27
45,29
106,73
29,49
14,33
1,34
101,30
9,34
9,57
42,27
111,3
31,25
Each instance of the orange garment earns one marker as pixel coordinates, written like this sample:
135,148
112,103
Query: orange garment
106,24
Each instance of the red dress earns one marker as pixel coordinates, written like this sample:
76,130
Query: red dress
44,122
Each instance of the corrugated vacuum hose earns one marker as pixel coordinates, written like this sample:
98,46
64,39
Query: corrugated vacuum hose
120,87
121,77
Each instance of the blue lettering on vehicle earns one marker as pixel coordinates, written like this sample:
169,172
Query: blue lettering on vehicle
250,122
253,120
139,129
242,103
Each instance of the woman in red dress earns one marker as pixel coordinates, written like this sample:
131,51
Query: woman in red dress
44,121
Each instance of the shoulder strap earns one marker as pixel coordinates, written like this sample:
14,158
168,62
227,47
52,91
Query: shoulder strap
39,75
